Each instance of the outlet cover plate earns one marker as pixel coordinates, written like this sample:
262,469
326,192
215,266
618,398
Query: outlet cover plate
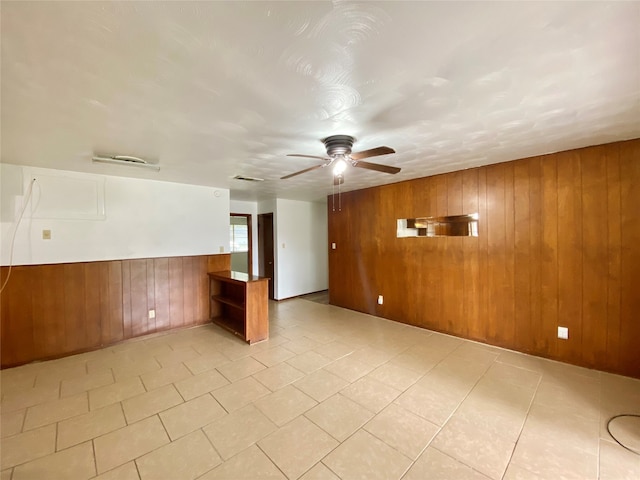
563,333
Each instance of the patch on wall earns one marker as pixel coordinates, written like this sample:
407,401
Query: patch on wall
67,196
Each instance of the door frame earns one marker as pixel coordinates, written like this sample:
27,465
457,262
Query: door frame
262,248
250,233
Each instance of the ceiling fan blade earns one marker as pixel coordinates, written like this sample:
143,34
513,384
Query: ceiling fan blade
315,167
374,152
308,156
377,167
338,180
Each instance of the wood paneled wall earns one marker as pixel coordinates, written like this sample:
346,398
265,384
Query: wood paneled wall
54,310
558,245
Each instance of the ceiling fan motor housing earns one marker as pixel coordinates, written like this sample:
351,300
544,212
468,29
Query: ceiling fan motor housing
338,144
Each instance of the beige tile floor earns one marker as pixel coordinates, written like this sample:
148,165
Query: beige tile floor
332,394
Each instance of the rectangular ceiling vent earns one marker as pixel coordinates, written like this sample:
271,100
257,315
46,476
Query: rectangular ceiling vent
248,179
126,160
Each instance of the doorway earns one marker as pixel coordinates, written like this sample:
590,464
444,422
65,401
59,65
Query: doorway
241,244
265,250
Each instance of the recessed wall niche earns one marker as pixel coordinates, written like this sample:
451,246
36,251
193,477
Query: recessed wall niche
449,226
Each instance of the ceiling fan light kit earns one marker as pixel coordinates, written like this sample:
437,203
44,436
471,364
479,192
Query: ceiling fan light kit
339,167
339,155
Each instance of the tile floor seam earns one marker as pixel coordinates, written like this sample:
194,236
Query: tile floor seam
453,413
271,460
24,418
465,464
391,446
213,446
463,399
515,445
328,467
95,462
55,445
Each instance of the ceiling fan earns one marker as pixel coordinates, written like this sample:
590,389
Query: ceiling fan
340,156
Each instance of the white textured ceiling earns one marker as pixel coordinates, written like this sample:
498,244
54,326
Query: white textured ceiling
214,89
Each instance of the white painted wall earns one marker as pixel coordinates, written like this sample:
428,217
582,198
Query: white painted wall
301,248
142,218
251,208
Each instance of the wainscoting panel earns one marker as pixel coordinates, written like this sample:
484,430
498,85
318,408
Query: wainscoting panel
54,310
558,245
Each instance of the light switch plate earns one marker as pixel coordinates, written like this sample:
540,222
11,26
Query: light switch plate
46,234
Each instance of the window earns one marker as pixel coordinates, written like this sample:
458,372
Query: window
239,235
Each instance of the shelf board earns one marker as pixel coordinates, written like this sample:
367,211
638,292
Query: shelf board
228,301
235,327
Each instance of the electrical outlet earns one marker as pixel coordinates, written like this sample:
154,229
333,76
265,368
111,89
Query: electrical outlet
333,246
221,249
563,333
152,313
46,234
380,299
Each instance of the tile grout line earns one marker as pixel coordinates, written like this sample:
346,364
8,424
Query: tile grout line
531,402
95,460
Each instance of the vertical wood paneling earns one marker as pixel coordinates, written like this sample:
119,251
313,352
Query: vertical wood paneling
202,282
439,262
496,322
74,307
630,254
594,257
151,294
508,330
471,267
126,299
113,329
189,298
53,310
139,305
93,305
161,292
569,254
539,336
176,292
558,244
17,316
453,270
613,256
483,254
48,318
523,334
549,257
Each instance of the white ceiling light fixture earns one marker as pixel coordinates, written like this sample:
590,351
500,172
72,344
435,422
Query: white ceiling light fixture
339,167
126,160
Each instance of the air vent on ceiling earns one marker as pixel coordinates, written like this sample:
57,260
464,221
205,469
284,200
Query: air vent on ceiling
248,179
126,160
